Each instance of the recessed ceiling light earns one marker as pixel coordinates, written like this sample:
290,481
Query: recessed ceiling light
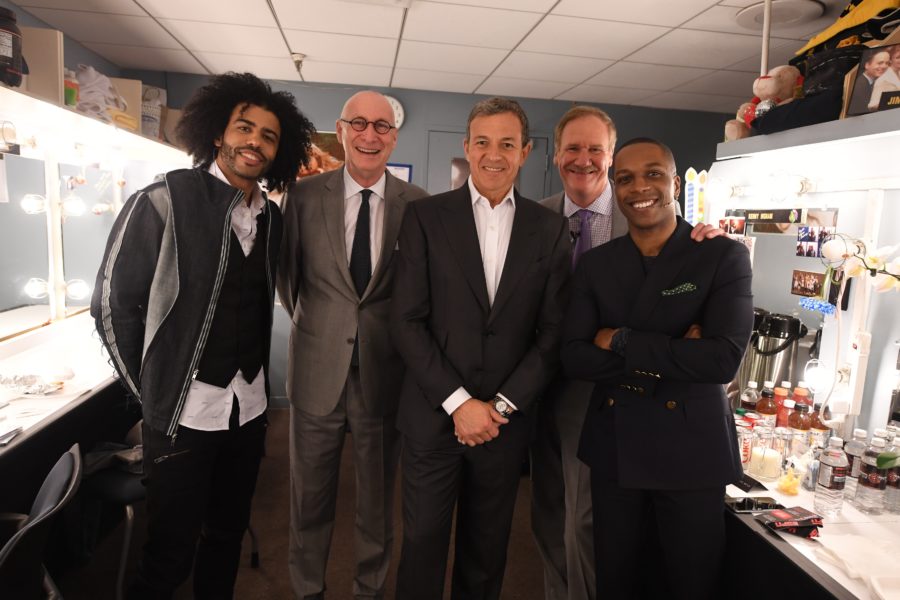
785,13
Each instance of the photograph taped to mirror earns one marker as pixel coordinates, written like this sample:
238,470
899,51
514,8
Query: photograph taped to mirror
807,283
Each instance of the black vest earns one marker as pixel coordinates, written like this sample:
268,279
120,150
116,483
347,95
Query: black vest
238,334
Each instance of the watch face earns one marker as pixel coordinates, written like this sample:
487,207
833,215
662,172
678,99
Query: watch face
399,113
501,406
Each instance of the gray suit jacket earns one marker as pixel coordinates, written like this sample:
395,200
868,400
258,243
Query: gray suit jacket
619,222
315,287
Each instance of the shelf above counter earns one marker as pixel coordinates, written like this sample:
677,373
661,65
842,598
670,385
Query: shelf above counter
44,128
880,124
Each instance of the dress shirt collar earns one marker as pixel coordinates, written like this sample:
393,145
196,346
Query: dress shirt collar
602,204
476,195
351,187
257,204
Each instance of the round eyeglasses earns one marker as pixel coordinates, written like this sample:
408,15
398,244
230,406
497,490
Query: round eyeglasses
360,124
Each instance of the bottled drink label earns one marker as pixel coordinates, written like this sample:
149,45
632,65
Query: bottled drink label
893,478
818,437
832,477
871,476
766,420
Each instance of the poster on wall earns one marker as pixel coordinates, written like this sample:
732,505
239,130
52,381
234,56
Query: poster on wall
807,283
402,172
326,154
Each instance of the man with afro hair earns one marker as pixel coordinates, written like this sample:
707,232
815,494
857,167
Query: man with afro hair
183,303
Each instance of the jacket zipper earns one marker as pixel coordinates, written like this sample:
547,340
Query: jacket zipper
207,321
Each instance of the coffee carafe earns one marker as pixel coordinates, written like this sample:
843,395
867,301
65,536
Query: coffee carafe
773,349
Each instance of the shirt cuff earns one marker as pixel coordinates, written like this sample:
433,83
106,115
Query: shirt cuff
455,400
508,401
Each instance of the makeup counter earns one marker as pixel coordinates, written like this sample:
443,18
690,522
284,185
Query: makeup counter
787,196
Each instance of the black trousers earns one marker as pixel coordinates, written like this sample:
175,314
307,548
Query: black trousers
199,489
481,482
658,543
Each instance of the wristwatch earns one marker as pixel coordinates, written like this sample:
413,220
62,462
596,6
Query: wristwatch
502,406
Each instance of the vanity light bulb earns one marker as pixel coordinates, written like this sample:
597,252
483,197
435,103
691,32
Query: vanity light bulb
817,375
36,288
33,204
77,289
73,206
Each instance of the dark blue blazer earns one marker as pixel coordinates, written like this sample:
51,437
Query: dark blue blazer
659,418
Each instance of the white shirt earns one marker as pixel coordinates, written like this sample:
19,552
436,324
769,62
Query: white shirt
208,407
352,202
494,226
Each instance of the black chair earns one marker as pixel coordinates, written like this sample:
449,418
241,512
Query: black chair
24,537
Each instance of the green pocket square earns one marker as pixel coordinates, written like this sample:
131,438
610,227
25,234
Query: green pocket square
684,288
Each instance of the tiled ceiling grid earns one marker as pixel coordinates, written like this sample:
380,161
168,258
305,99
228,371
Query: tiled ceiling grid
676,54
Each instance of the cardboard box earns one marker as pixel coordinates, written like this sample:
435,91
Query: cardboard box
43,50
131,90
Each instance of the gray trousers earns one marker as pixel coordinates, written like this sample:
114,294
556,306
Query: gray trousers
561,514
316,444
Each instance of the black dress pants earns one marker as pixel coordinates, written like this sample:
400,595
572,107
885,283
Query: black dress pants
199,489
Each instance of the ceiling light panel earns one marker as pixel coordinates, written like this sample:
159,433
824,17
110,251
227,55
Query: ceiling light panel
339,17
467,25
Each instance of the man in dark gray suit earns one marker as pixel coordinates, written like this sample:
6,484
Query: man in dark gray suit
343,373
561,513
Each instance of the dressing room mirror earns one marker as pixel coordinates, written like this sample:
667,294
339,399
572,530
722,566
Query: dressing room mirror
23,245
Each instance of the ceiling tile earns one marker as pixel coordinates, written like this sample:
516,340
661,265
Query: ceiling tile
336,47
522,88
550,67
722,18
364,75
728,83
222,37
116,7
126,30
698,49
334,16
540,6
780,52
589,38
467,25
438,81
651,12
644,76
161,59
266,67
247,12
447,57
605,94
702,102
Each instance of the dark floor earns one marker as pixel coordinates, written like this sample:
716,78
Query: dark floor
96,581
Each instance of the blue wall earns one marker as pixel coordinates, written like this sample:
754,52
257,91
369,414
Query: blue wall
692,135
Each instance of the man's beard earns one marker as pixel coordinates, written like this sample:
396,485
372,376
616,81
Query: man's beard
229,156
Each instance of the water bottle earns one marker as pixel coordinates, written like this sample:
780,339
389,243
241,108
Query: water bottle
892,487
833,465
749,396
855,448
872,480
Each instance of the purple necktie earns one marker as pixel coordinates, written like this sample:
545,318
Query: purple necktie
583,243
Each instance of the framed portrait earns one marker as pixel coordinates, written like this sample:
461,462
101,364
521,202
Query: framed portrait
877,82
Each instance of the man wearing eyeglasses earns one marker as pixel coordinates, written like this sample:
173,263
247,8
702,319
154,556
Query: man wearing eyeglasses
343,374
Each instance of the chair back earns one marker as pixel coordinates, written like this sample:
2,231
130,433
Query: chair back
21,558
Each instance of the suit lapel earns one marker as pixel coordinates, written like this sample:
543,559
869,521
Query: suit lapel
458,221
521,252
666,269
333,209
393,215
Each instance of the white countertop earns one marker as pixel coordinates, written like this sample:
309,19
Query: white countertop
883,528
